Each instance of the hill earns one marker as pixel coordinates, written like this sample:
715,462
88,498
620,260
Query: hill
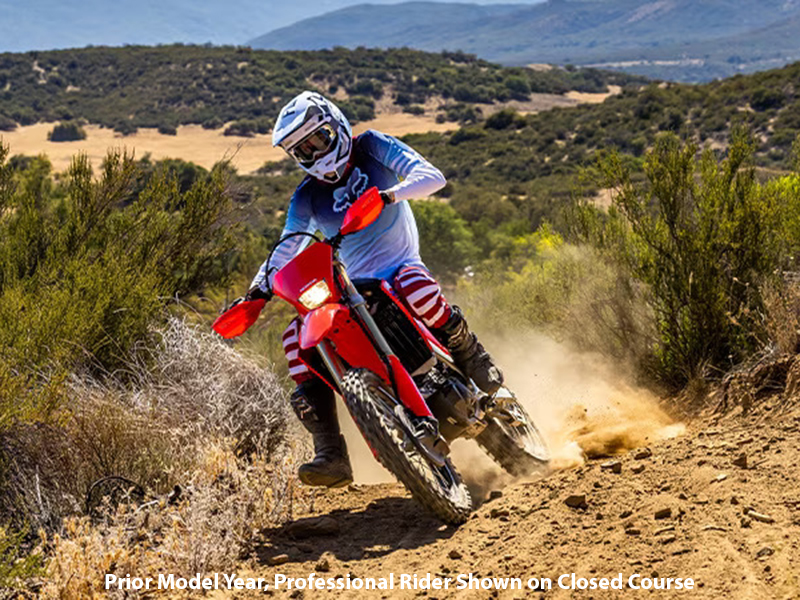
126,88
639,32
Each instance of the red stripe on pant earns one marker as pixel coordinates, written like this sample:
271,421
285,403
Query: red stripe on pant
423,296
291,347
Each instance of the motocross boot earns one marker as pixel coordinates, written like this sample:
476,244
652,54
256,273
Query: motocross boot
468,353
314,404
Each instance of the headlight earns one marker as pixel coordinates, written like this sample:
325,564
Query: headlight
315,295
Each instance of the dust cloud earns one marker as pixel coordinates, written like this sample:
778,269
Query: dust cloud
585,406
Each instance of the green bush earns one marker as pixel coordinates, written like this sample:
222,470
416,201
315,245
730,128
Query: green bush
7,124
446,243
167,129
704,237
414,109
67,132
86,264
125,127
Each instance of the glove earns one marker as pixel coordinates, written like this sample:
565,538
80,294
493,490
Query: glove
387,197
256,293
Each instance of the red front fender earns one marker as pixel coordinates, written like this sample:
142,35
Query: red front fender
318,323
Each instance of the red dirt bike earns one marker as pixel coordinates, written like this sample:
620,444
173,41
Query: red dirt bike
401,386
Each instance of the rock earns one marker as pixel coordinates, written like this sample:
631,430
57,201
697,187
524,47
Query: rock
576,501
757,516
636,469
454,554
714,528
682,496
668,539
719,478
625,514
313,527
323,565
307,548
633,531
495,494
499,513
279,559
745,522
734,500
765,551
665,530
740,461
642,453
614,466
663,513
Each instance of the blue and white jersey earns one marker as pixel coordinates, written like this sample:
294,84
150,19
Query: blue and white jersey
391,241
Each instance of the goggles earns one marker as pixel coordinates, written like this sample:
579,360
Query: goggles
315,145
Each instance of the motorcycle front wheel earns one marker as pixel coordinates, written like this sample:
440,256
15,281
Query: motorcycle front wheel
438,488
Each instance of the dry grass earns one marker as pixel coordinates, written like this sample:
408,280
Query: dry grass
211,528
192,143
189,412
782,317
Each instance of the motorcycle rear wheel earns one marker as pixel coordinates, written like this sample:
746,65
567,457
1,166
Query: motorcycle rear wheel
439,489
512,439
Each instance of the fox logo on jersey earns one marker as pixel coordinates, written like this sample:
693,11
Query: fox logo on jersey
349,192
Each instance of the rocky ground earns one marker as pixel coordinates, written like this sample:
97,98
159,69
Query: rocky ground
719,504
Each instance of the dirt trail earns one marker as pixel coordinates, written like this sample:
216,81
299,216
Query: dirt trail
530,532
717,502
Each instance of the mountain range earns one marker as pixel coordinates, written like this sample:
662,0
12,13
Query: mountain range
678,39
49,24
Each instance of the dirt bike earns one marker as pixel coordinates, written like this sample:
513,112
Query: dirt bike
399,383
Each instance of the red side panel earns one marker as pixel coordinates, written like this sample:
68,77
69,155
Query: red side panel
409,393
423,330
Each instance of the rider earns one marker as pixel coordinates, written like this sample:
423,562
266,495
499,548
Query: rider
340,167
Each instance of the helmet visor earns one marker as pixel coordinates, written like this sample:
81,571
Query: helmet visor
315,145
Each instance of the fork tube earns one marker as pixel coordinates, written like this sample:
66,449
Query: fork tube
360,306
332,362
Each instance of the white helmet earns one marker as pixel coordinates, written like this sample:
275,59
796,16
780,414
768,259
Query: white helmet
316,134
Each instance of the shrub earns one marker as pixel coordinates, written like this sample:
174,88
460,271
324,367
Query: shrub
502,119
125,127
702,236
445,241
414,109
358,108
191,412
167,129
213,123
7,124
67,132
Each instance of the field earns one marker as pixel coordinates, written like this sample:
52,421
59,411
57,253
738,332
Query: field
206,147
